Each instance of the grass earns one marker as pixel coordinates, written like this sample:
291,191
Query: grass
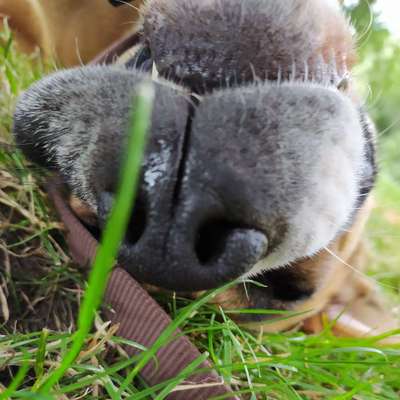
41,293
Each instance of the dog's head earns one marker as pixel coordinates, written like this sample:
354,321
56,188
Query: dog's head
259,154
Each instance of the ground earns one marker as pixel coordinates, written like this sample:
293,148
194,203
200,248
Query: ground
40,292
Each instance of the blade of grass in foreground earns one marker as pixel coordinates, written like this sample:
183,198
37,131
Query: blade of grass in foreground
114,230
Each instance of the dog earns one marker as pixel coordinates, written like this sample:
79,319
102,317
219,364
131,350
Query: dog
260,161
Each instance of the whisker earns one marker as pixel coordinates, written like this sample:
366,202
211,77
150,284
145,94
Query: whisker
358,272
389,128
246,291
367,38
78,53
365,102
367,32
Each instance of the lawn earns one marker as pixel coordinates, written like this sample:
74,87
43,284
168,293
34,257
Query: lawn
41,291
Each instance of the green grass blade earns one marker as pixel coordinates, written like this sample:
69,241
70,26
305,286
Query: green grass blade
114,230
41,355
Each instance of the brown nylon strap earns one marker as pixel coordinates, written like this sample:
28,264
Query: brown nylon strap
140,318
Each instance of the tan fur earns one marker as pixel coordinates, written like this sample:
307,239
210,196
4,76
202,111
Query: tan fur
72,31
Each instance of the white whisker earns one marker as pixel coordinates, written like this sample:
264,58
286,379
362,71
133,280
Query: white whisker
367,32
357,271
246,291
387,129
78,53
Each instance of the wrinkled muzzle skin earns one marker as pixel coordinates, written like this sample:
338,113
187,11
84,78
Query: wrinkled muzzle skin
257,157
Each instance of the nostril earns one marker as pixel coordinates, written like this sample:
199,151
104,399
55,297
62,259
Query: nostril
137,222
212,238
138,218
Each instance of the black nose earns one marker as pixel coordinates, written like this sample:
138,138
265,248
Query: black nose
232,181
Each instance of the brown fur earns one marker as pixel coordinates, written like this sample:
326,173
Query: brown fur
72,31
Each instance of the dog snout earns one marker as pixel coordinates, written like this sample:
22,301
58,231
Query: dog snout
242,181
186,233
